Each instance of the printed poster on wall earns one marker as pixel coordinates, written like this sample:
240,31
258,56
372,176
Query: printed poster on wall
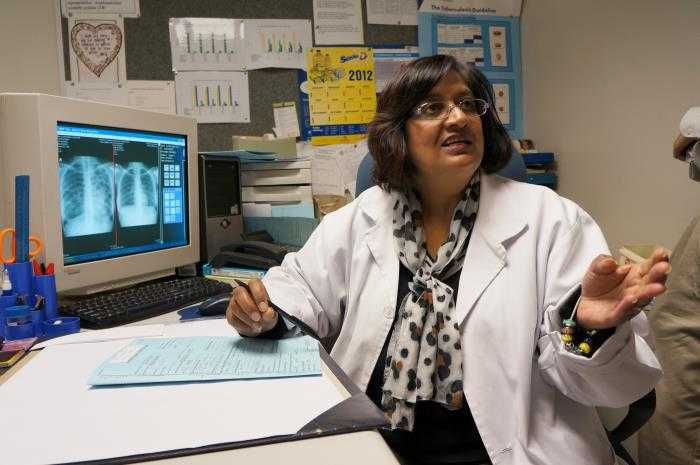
491,44
96,49
341,88
472,7
125,8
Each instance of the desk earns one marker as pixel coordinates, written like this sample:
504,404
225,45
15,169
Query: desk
348,448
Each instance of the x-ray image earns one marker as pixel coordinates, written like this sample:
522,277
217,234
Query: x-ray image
137,195
86,186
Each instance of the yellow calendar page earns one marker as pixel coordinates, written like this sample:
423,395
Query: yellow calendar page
341,85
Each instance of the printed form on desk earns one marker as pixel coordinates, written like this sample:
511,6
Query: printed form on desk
51,415
201,358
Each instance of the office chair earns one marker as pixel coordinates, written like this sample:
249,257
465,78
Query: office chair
515,169
640,411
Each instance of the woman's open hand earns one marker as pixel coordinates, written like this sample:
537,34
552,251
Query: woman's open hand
612,294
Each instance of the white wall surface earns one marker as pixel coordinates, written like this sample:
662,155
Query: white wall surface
28,50
605,85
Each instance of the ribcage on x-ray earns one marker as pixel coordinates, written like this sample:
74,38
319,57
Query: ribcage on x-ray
86,189
137,195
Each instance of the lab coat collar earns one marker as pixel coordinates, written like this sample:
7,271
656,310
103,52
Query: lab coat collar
499,221
500,217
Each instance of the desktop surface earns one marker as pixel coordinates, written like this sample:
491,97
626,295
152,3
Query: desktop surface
345,448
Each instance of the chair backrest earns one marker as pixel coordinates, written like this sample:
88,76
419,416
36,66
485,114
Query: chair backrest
515,169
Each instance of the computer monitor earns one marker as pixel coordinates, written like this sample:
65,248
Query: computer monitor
113,190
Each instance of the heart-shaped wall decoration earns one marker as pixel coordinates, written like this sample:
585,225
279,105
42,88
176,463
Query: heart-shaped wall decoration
96,46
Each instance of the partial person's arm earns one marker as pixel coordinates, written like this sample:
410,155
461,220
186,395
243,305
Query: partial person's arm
624,368
310,284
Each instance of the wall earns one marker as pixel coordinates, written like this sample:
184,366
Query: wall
605,86
28,51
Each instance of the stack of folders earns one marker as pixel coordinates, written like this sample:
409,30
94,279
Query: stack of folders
232,274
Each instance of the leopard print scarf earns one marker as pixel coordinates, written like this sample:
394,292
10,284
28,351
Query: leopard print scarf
424,358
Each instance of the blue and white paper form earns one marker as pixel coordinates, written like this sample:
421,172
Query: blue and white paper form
204,358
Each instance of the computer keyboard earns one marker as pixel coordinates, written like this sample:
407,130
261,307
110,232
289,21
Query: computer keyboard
141,302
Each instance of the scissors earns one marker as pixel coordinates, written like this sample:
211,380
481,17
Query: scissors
38,243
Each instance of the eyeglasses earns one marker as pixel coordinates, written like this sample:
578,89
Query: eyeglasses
441,110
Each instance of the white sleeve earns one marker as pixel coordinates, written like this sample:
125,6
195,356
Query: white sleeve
310,283
624,368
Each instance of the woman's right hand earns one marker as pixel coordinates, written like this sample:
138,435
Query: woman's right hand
248,311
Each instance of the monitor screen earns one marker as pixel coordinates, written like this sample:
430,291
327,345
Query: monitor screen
122,191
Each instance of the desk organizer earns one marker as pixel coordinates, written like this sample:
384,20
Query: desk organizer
55,327
37,312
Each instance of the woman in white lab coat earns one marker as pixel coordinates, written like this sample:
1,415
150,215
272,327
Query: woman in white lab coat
450,291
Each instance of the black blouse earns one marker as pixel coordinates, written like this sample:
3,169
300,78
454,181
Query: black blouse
439,436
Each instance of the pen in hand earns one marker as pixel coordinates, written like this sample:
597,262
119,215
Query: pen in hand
292,319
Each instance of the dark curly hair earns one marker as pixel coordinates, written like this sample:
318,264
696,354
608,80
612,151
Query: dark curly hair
407,89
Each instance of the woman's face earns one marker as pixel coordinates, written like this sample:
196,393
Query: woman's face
446,151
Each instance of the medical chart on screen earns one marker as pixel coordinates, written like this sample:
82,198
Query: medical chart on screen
202,358
213,96
96,49
490,43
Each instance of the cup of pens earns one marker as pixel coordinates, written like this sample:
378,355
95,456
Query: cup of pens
45,286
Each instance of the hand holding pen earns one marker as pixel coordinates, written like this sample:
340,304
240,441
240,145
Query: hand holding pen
249,311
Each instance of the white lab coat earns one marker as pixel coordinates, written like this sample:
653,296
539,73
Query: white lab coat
531,399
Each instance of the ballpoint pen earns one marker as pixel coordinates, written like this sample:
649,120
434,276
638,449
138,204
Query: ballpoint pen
306,329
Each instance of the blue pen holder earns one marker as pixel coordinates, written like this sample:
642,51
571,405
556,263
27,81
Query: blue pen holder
19,323
45,285
61,326
9,300
37,318
22,279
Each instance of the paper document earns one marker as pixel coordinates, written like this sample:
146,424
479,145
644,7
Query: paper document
105,92
473,7
125,8
277,43
96,49
213,96
338,22
392,12
152,96
216,44
208,358
286,122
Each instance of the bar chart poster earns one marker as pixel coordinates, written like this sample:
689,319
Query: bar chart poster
215,44
341,86
277,43
213,96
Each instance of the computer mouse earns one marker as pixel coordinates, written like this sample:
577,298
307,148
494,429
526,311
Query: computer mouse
216,305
